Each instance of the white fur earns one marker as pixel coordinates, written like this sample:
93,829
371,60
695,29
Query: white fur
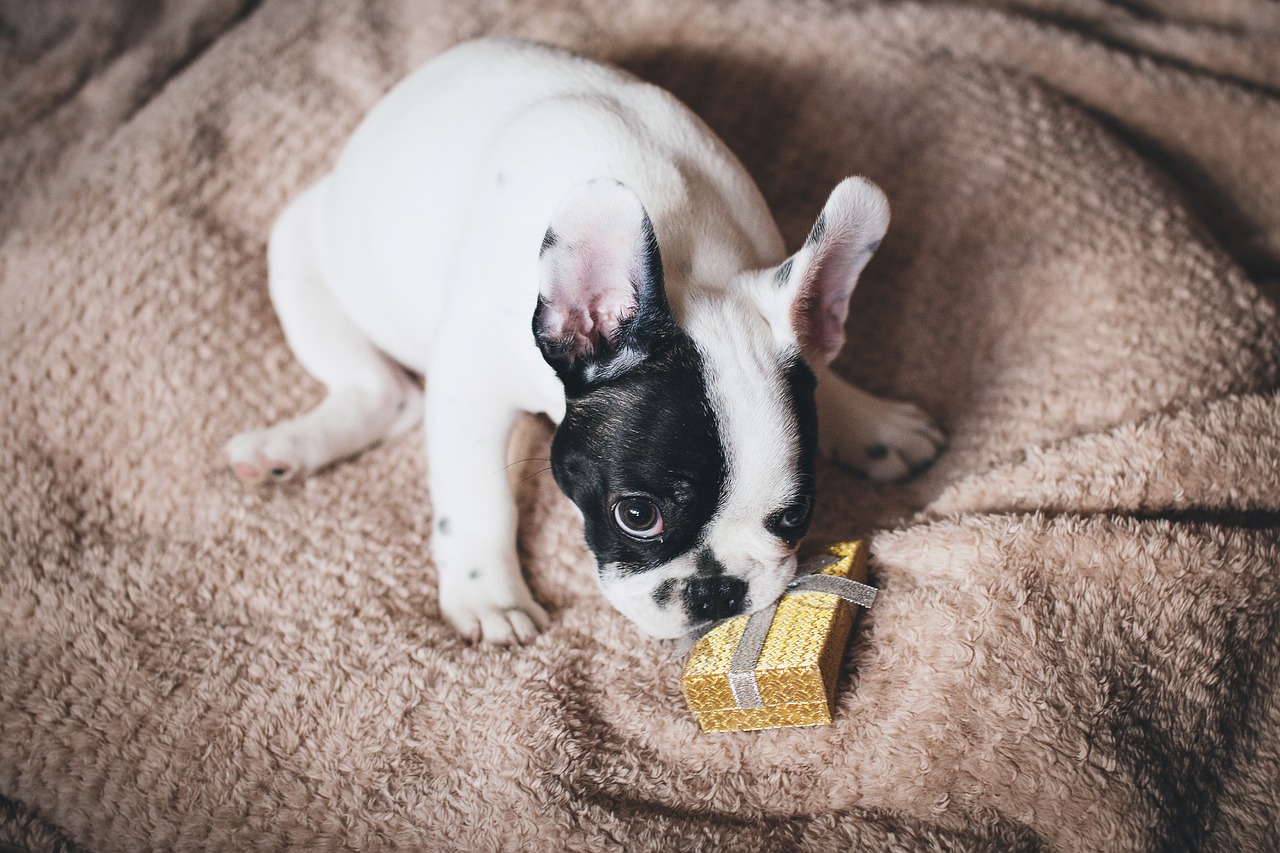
761,444
421,249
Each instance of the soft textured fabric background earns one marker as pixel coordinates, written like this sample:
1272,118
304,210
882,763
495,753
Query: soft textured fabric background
1076,643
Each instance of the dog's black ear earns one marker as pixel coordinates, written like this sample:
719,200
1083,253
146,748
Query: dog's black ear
809,293
602,309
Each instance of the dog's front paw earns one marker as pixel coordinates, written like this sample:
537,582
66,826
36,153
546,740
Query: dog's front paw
271,455
491,606
888,440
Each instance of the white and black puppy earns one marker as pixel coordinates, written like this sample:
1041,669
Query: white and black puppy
682,354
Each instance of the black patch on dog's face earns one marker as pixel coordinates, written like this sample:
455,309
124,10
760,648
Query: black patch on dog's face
800,384
650,433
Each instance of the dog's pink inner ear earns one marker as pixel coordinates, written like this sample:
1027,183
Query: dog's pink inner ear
846,235
585,314
821,306
600,268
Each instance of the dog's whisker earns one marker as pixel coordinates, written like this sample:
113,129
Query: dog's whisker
534,474
511,465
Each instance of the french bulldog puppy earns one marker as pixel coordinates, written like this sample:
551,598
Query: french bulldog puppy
534,231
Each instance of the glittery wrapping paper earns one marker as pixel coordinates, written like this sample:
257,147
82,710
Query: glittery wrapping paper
798,665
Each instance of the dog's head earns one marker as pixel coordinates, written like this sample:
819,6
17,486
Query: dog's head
689,442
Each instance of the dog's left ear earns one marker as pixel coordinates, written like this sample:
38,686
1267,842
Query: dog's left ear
602,307
807,296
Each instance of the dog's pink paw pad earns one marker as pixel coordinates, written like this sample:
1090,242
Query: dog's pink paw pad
246,472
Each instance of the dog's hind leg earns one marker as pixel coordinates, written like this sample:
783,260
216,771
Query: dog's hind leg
370,397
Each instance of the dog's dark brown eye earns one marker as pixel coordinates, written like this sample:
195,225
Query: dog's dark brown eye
639,518
795,516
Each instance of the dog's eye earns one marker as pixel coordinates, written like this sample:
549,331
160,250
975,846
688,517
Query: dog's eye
639,518
792,521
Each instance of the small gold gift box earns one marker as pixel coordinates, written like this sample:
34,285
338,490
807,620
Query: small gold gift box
781,672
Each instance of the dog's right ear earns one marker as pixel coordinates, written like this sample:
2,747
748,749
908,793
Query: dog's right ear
808,299
602,308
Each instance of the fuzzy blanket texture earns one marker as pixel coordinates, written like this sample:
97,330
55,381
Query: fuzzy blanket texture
1077,642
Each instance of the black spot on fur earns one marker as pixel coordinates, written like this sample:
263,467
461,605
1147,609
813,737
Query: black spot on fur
783,275
708,565
662,595
474,574
443,525
652,270
548,241
819,228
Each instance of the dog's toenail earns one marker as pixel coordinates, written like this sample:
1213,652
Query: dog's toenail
877,451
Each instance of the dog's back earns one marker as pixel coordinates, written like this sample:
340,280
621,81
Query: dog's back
440,200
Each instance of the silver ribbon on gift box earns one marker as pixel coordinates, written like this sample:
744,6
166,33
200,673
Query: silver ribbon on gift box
742,669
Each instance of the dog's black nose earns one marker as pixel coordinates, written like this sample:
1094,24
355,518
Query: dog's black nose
715,598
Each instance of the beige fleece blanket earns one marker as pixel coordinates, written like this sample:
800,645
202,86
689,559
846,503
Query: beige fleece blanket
1077,645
